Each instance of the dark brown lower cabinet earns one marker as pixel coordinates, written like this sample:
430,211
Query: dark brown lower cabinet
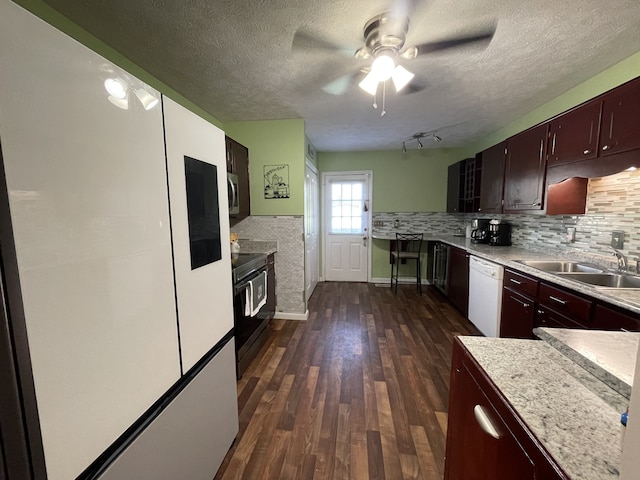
458,279
518,314
486,440
272,300
606,318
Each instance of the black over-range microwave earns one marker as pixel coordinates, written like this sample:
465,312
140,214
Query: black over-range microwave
233,193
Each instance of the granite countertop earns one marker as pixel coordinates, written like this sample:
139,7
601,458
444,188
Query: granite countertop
575,416
628,299
609,356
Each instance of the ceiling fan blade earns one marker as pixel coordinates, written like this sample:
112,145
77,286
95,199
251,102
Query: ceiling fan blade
482,37
340,85
414,86
307,41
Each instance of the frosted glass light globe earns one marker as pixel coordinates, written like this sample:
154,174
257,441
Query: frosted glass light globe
383,67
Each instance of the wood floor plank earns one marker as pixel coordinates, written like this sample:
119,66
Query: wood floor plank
358,391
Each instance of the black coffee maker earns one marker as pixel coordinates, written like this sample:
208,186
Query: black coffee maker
480,230
499,233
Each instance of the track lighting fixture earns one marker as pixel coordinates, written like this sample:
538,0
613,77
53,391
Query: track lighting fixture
418,138
119,86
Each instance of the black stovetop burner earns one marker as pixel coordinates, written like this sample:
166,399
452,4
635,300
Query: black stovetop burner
245,264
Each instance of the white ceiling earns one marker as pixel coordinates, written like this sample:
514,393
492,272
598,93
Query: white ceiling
234,58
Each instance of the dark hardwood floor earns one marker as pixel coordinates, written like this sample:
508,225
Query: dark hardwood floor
358,391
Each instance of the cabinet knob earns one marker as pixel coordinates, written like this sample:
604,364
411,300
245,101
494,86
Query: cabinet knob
605,147
587,151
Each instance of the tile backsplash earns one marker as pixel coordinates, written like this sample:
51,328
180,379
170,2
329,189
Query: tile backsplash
613,203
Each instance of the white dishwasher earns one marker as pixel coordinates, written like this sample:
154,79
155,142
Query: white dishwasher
485,295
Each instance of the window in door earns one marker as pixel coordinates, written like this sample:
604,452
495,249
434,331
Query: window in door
347,207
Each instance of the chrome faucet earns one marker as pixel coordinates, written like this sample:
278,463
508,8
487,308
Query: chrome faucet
622,260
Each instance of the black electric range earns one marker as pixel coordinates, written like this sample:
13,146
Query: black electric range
244,265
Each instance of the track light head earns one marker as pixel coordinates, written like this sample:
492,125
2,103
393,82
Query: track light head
419,144
404,148
436,138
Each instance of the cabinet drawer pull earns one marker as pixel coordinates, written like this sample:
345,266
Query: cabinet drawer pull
624,329
485,422
587,151
524,304
605,147
557,300
515,281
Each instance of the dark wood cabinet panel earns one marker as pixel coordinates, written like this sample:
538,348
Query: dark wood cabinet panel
573,136
609,318
454,188
458,279
525,171
238,163
520,283
492,183
575,307
485,438
517,316
620,130
547,317
272,299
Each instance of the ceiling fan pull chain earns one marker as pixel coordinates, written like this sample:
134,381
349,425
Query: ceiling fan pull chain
384,95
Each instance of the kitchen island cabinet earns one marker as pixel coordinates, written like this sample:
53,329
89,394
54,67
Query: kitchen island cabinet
525,171
485,438
524,389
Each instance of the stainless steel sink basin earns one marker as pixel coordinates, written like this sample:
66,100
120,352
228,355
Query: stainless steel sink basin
604,280
557,266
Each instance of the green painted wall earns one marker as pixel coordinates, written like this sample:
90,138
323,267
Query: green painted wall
273,142
415,181
51,16
620,73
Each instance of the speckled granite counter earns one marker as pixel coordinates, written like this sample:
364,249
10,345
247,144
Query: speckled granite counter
575,416
609,356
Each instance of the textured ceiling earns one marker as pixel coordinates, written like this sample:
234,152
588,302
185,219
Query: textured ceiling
234,58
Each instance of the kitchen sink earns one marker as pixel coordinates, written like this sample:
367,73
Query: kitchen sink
560,266
604,279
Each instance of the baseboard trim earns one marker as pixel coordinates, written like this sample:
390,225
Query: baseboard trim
291,316
400,280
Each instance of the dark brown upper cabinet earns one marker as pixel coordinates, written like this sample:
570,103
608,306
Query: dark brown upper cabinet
492,183
573,136
455,179
620,130
238,163
525,168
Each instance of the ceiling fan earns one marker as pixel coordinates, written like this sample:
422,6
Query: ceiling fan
384,42
385,37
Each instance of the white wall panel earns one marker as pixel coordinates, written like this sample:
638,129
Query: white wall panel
205,300
88,200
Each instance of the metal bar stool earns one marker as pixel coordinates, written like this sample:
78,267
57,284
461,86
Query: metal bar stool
408,246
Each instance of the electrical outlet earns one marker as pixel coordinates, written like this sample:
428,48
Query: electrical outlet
571,234
617,239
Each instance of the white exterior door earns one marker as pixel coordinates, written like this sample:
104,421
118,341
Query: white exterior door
346,227
311,229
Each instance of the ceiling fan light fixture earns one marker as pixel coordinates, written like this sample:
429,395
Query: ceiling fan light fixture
401,77
122,103
116,87
383,67
369,84
148,100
